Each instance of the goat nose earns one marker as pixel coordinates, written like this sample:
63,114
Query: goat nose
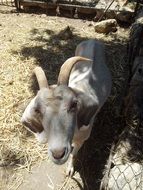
58,153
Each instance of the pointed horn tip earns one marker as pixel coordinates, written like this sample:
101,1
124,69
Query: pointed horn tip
84,59
37,69
41,77
89,60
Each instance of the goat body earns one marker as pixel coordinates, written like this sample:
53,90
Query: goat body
63,114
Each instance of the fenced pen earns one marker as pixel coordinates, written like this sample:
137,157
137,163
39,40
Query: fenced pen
8,2
95,10
125,164
124,169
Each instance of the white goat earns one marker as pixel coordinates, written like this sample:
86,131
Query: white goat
63,114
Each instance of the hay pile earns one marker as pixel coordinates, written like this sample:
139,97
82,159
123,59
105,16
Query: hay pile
16,148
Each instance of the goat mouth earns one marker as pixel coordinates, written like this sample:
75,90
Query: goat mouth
61,160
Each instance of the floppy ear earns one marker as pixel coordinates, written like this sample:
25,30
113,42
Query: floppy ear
32,120
31,117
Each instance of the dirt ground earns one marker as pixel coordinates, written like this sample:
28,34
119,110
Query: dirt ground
27,40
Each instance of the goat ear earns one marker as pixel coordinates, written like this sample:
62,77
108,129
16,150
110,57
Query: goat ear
31,117
73,105
32,125
36,128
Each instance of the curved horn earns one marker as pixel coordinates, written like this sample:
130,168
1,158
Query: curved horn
41,77
67,67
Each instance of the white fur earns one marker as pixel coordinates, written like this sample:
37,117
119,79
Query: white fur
41,137
28,112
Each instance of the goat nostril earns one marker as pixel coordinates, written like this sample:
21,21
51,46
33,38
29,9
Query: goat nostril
58,154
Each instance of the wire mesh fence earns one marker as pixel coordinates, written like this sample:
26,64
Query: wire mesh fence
124,170
128,176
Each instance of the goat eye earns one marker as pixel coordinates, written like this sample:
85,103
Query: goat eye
37,110
73,106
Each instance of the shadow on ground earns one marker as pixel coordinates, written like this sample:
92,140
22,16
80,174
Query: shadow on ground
53,54
94,154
